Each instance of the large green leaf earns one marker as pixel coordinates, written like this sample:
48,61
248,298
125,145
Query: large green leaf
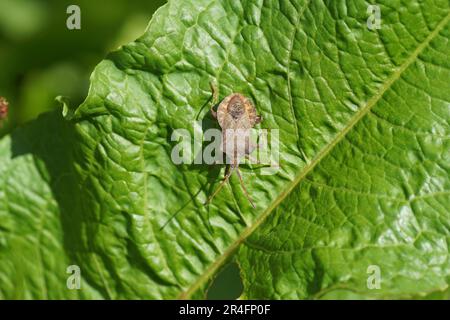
378,192
363,118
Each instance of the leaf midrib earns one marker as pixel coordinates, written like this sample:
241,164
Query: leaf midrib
320,155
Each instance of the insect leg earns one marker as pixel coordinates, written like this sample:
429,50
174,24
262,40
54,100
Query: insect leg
244,188
225,179
252,159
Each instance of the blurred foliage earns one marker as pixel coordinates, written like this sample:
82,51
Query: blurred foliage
40,58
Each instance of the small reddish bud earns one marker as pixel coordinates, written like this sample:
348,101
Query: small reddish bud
3,108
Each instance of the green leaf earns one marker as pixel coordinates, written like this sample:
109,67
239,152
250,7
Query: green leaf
363,119
377,194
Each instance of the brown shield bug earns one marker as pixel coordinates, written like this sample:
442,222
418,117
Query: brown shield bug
236,116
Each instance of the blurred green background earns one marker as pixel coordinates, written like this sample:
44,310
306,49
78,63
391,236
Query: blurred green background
41,59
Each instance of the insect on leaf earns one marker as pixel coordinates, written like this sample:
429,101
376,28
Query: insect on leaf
358,207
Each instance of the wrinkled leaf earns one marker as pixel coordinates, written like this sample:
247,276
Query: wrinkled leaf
378,201
363,118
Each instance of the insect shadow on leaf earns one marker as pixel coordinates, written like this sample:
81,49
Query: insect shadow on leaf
212,175
213,172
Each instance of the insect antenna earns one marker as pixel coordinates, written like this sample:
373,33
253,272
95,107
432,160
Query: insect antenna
244,188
